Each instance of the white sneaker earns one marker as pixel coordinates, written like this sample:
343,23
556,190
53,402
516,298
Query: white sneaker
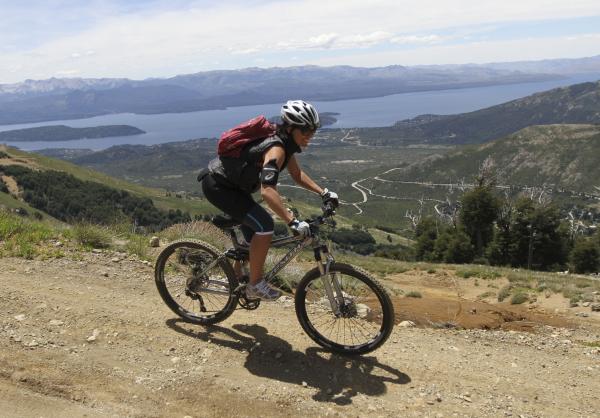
263,291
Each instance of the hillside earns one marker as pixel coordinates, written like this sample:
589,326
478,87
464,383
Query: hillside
31,168
576,104
67,133
562,156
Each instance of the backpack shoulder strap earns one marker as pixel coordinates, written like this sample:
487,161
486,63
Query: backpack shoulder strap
255,151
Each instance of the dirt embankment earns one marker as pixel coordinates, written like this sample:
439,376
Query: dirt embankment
89,336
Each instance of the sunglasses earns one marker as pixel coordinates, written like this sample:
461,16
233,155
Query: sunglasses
306,131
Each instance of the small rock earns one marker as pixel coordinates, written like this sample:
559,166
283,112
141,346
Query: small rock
58,244
115,259
94,336
407,324
97,251
362,310
595,307
154,242
304,384
55,322
175,360
585,304
278,356
104,273
20,317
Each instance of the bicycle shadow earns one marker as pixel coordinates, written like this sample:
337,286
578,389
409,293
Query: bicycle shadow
337,378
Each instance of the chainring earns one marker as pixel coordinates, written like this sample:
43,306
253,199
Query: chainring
248,304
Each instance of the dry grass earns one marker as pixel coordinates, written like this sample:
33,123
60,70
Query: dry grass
201,230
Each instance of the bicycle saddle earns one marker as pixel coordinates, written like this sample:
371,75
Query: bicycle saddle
224,221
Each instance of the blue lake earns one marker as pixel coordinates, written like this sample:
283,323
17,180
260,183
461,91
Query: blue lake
378,111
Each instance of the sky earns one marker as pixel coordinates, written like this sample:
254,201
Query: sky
139,39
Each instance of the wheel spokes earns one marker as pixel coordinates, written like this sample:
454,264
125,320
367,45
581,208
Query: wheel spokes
195,282
360,315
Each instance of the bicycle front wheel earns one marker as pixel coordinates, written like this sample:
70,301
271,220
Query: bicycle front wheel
365,315
195,283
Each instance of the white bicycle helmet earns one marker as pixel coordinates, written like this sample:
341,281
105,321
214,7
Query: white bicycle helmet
299,113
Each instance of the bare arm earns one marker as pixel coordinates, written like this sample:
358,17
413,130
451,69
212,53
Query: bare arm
301,178
270,193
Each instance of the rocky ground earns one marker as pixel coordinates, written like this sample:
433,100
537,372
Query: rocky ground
88,335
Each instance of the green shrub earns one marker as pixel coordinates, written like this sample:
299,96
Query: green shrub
485,295
413,294
571,294
574,300
465,274
484,274
585,256
519,298
503,293
93,236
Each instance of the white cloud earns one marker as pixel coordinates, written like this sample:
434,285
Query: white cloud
418,39
158,43
67,73
477,52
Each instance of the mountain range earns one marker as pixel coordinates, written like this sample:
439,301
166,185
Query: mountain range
73,98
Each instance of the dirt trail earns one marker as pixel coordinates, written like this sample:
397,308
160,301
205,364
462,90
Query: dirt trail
92,338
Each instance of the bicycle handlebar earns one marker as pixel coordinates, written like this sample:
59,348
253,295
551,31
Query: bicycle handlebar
328,211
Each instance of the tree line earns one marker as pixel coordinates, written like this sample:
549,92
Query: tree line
69,199
518,232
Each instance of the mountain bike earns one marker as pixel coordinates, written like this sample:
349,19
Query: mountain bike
339,306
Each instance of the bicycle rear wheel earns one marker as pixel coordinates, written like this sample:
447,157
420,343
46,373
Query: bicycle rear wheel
194,283
366,316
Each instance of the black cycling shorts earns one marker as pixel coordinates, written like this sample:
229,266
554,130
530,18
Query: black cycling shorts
240,206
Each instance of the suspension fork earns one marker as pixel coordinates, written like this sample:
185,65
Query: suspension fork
331,283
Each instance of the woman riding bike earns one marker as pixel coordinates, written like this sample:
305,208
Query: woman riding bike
230,189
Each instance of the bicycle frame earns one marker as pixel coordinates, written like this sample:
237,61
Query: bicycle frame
333,290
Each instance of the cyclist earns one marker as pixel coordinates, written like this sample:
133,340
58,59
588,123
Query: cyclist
231,182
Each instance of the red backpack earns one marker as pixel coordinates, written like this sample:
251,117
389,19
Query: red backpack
233,141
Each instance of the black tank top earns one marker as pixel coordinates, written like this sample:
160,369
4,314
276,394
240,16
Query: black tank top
244,172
